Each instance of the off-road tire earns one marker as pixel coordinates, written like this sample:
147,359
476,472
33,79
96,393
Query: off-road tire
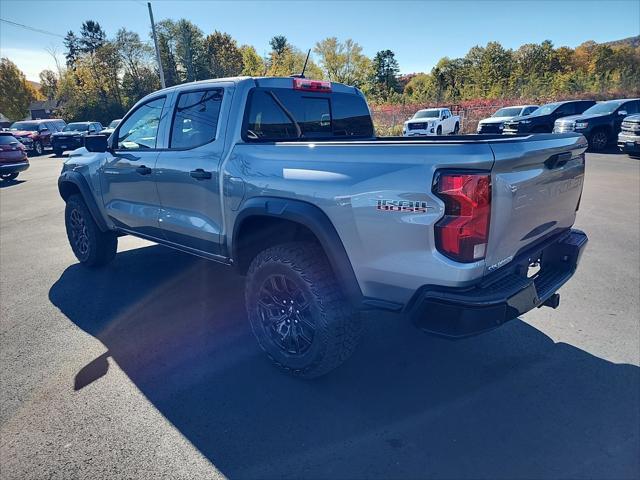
337,328
9,176
439,130
57,152
91,246
598,140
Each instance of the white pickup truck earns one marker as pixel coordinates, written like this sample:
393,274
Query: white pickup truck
431,121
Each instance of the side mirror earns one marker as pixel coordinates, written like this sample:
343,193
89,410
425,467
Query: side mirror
622,112
96,143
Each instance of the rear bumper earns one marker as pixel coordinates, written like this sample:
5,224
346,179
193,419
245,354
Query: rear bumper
503,295
13,167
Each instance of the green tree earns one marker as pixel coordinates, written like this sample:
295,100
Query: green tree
92,37
385,73
190,51
136,57
343,61
224,57
252,63
279,44
17,93
48,84
72,46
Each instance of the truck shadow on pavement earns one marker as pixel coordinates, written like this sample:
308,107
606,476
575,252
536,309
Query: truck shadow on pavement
511,403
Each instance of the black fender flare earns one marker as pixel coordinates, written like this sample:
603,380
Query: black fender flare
78,181
318,223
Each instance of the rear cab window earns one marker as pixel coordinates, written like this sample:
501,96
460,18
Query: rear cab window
195,119
276,114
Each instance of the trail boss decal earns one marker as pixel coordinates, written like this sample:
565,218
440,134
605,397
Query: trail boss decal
401,206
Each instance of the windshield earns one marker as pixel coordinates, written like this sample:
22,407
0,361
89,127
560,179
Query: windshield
27,126
427,114
508,112
545,109
602,107
76,127
114,123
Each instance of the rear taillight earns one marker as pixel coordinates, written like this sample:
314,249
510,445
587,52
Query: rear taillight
311,85
463,232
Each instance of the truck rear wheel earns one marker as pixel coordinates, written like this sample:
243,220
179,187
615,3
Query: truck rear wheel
91,246
297,311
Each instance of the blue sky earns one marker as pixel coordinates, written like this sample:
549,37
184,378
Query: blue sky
420,32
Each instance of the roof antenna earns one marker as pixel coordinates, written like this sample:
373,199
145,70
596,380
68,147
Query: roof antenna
304,67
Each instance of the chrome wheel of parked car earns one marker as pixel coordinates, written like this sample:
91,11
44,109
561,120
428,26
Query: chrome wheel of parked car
37,148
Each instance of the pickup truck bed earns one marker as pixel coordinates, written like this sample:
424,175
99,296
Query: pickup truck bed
293,189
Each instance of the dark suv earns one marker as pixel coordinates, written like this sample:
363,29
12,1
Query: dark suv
35,135
600,123
72,136
542,120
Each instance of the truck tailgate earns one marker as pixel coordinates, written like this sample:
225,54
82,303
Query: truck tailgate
536,186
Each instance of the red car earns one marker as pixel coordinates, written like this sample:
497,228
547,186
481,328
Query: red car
13,157
35,135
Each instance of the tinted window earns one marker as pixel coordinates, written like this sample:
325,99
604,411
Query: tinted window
351,116
631,107
196,118
286,114
267,120
7,139
529,110
566,109
140,130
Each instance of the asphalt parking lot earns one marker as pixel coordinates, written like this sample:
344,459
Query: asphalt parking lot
147,369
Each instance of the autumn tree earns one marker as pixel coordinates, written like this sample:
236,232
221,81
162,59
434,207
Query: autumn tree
252,63
343,61
48,84
224,57
17,93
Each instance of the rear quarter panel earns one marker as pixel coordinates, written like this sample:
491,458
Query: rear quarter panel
392,253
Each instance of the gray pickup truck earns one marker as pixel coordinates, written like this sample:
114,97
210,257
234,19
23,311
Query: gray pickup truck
284,180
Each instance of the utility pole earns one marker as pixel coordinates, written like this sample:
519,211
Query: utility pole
155,42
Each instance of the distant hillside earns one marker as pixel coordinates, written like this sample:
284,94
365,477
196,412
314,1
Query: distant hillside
35,85
632,41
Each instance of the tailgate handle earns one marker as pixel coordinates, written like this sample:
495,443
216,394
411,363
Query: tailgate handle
557,160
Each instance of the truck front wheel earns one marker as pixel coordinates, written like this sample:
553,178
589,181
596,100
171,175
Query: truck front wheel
598,140
297,310
91,246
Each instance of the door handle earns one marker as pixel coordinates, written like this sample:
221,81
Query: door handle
200,174
143,170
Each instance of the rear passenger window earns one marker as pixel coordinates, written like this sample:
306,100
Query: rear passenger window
281,114
195,120
267,120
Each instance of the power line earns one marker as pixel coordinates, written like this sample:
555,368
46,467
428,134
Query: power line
33,29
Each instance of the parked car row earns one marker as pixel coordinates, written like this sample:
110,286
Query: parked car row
55,133
599,122
35,135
